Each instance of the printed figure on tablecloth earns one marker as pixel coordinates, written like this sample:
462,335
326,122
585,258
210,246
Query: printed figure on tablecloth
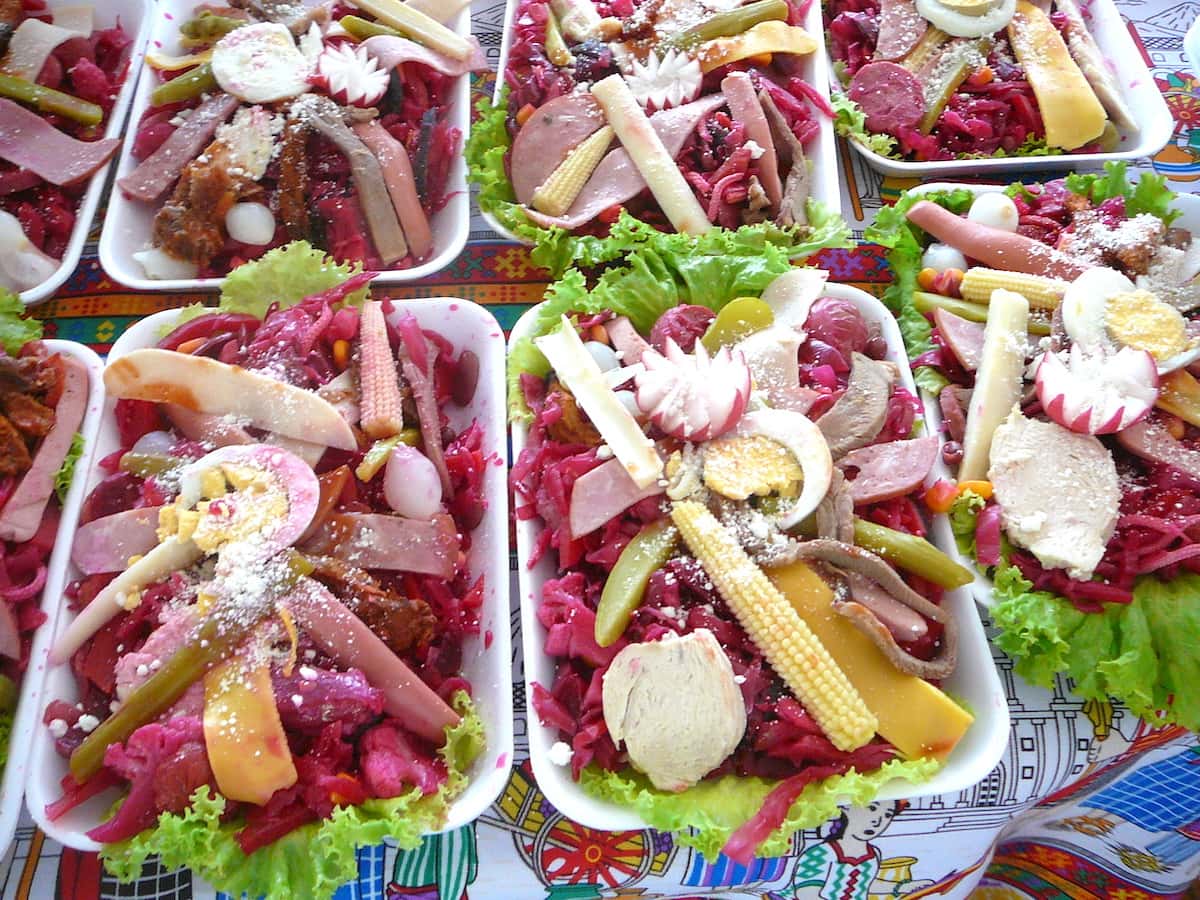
846,864
442,868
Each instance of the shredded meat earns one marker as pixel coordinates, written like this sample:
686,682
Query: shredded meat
14,455
573,426
190,226
400,622
27,415
291,197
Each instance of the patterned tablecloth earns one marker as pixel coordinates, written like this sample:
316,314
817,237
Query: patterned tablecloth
1087,802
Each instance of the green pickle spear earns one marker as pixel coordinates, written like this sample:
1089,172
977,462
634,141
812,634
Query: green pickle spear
738,319
217,639
645,554
360,29
187,86
47,100
730,22
911,553
8,694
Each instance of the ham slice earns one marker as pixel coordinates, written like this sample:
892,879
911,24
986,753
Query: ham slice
379,541
401,185
390,51
105,545
206,428
602,494
30,46
745,108
346,638
22,513
555,129
617,179
890,470
30,142
1151,440
962,336
155,174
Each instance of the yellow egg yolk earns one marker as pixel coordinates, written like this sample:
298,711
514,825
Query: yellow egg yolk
1140,320
254,506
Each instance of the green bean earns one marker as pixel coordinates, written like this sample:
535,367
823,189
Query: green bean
360,29
48,100
645,554
730,22
8,694
187,86
911,553
218,637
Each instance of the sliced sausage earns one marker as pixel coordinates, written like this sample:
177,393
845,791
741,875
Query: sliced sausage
889,95
548,136
890,470
900,28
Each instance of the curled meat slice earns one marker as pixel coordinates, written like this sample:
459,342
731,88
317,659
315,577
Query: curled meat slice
400,622
867,564
835,514
858,416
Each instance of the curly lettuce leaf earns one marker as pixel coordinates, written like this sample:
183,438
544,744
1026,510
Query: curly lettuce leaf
62,478
964,513
706,814
558,250
15,331
285,275
851,122
312,861
905,243
1149,195
662,271
1140,653
6,723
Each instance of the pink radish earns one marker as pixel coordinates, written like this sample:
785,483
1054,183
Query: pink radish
350,75
693,397
1097,391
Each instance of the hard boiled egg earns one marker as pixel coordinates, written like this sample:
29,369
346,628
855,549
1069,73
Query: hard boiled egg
968,18
1104,309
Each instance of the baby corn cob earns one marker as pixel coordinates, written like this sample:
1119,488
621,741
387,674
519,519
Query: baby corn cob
774,625
556,194
1041,292
379,385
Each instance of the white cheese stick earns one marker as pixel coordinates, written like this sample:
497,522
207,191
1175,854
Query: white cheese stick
997,380
417,25
576,369
646,149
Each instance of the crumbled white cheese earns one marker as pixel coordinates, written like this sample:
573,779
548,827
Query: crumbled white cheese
560,753
87,723
58,728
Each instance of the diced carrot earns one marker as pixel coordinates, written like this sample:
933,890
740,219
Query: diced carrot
191,346
525,112
341,354
926,278
981,76
760,59
940,496
982,488
597,333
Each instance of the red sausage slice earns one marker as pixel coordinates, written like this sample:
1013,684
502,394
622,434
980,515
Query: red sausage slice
889,470
900,28
889,95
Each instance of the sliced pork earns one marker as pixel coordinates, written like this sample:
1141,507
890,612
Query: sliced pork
858,415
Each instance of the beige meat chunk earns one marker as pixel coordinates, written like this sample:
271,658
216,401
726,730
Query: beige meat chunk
676,706
1057,490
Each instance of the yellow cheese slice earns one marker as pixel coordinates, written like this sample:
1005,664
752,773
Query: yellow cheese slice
914,716
1070,109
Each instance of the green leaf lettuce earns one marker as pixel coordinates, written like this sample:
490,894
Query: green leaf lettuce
312,861
62,478
15,331
706,814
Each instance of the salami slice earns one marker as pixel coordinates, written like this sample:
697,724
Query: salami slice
889,95
900,28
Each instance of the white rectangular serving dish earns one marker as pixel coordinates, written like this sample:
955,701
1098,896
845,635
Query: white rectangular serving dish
1154,119
28,716
134,16
822,152
974,681
128,224
487,657
1187,204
